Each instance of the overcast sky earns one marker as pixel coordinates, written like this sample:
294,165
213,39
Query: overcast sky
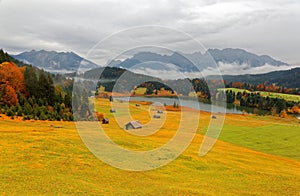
263,27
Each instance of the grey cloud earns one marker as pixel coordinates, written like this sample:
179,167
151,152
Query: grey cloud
267,27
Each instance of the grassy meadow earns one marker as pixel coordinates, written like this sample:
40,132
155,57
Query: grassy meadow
253,156
287,97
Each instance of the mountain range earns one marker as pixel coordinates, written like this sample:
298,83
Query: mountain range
185,62
69,62
55,62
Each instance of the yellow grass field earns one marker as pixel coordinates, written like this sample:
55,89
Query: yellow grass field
44,157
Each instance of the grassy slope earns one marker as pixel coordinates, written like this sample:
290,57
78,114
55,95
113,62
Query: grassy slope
49,157
268,134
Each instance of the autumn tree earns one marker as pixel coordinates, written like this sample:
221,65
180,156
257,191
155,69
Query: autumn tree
295,109
11,82
11,75
8,95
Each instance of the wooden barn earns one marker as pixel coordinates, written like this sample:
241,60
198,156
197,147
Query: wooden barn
133,125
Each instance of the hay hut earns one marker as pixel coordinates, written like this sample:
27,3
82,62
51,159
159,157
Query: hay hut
133,125
112,111
156,116
105,121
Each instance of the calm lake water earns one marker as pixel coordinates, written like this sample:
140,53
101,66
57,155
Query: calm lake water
195,104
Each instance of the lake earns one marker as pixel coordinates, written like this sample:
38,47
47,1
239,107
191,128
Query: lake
191,103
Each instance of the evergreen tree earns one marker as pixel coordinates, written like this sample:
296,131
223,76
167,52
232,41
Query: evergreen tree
27,108
51,98
10,112
21,99
4,57
31,80
68,100
43,86
43,116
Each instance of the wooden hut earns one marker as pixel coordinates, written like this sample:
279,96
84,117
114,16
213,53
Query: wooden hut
133,125
112,111
156,116
105,121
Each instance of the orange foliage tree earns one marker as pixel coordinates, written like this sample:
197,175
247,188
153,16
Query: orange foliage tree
11,75
237,84
296,109
8,95
11,81
283,114
260,87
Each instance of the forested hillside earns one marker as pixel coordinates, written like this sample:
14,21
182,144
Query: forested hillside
30,93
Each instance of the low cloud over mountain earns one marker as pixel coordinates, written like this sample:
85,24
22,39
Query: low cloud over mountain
227,61
175,65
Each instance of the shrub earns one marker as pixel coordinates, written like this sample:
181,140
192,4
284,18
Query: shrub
26,117
10,112
43,116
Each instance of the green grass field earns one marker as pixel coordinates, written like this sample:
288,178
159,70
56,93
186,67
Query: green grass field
282,140
287,97
254,156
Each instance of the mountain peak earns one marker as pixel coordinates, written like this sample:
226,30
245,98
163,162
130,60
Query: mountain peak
240,56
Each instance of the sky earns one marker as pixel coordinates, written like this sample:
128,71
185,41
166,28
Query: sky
263,27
